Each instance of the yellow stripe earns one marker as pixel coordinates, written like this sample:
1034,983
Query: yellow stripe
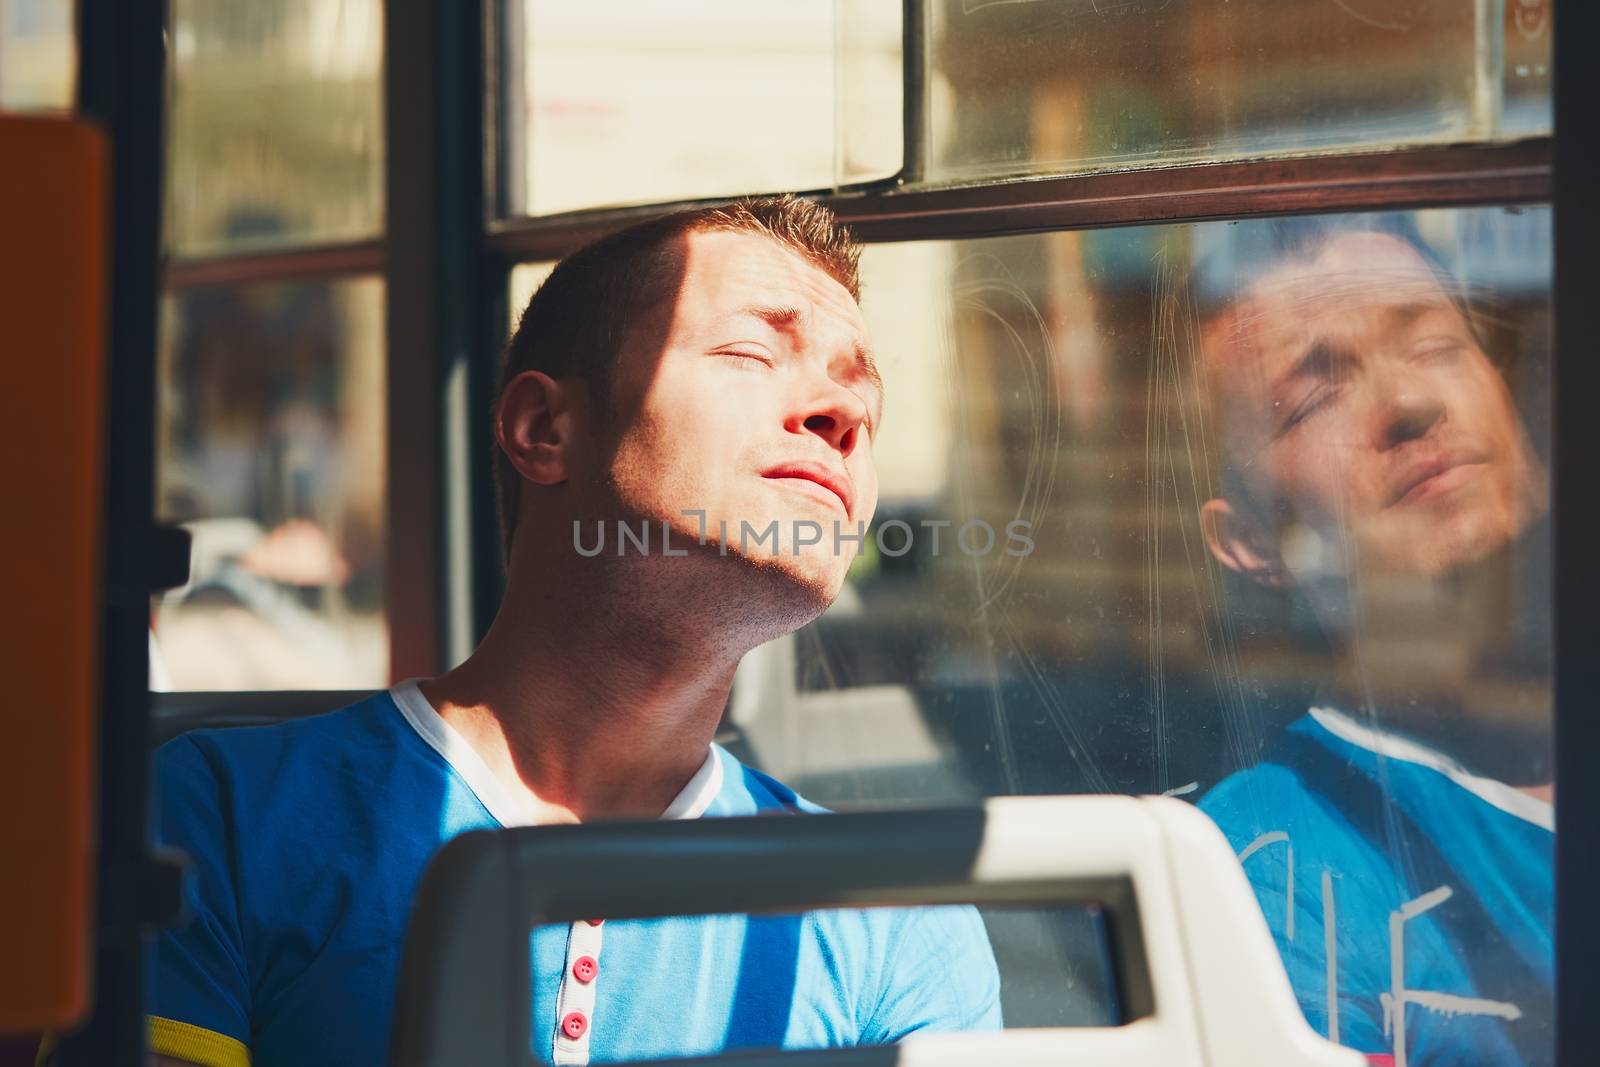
181,1041
47,1049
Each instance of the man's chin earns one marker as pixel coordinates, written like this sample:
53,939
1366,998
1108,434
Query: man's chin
791,582
775,595
1436,547
813,572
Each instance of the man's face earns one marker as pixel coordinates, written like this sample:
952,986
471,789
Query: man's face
1355,401
750,396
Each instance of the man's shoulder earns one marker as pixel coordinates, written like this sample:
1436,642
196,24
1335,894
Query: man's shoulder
916,935
1277,796
1289,819
747,791
351,729
305,768
1264,792
353,790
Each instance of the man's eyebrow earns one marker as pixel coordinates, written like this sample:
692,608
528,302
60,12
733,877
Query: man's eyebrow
1413,310
779,317
784,319
1324,360
868,367
1320,360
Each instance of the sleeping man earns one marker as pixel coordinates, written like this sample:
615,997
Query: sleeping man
686,380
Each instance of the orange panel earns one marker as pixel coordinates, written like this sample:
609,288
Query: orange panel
52,423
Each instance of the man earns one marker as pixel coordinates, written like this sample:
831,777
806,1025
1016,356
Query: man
696,379
1399,836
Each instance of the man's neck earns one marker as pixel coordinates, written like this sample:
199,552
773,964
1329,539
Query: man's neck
1415,653
587,708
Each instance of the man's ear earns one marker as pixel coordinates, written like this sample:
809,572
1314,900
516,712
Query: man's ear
1242,543
534,424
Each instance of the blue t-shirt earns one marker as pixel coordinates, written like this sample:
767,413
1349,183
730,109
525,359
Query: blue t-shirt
1392,859
308,840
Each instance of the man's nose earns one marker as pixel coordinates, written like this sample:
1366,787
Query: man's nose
835,414
1411,409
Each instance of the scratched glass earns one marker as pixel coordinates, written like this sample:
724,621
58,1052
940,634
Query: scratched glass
275,124
1283,550
38,55
1031,86
270,450
639,100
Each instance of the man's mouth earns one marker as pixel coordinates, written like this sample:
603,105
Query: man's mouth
815,480
1436,476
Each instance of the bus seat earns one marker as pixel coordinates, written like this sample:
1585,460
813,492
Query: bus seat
172,714
1197,973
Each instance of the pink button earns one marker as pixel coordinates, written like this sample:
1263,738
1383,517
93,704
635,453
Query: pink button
594,922
575,1025
584,968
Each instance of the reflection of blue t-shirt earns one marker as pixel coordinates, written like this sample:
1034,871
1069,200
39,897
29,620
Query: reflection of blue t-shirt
1394,860
308,840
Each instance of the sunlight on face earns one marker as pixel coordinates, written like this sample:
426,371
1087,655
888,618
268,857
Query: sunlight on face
753,401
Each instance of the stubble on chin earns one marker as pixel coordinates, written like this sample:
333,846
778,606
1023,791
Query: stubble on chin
736,599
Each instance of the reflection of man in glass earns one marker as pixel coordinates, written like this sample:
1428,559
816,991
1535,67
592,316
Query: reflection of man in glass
1399,836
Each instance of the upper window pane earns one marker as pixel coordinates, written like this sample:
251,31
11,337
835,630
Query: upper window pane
38,55
275,123
643,100
1025,87
271,451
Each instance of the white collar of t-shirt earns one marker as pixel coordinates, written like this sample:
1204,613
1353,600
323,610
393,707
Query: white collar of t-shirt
576,997
1507,798
507,806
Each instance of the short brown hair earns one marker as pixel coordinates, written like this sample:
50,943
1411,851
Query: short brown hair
577,321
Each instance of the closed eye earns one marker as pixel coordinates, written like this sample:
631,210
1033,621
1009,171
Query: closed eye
1317,400
759,354
1438,348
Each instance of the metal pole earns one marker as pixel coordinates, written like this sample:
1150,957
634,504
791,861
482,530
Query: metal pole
121,84
1577,532
439,352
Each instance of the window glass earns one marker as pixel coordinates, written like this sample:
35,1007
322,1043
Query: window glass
271,452
642,100
1073,85
275,123
1249,513
38,55
871,89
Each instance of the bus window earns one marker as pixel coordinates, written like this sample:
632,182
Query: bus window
1249,513
1215,460
1028,88
598,105
275,124
271,445
272,390
38,55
